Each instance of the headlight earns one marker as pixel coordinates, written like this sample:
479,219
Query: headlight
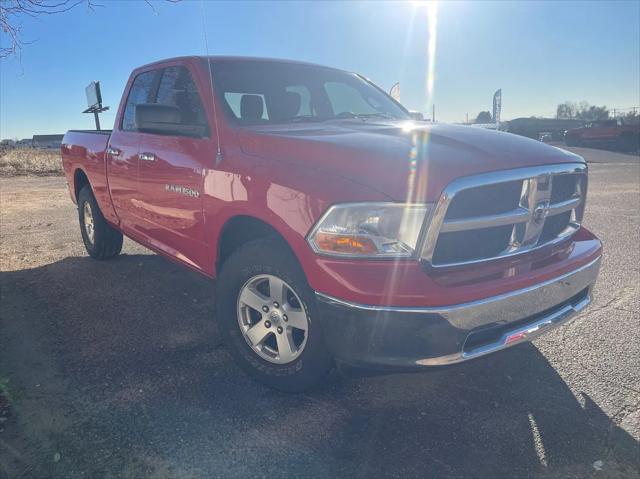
369,230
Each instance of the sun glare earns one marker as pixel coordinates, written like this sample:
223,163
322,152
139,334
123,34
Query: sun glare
430,8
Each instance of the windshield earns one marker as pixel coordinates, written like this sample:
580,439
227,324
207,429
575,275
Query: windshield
255,92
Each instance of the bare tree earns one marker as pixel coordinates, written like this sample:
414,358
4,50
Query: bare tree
582,111
566,110
12,12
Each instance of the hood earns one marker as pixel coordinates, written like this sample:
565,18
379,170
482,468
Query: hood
405,161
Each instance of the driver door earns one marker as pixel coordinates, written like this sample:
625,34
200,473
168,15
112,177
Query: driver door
171,174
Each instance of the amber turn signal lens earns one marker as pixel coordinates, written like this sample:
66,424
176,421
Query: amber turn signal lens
345,244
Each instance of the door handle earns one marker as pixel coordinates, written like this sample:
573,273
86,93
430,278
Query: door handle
113,151
147,157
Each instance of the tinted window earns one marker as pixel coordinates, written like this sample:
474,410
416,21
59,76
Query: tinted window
140,92
178,89
255,92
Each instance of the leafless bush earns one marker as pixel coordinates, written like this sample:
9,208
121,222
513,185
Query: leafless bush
30,161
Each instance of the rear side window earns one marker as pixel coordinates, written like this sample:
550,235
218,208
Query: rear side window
140,92
178,89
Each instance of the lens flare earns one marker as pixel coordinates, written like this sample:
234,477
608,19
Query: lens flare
417,166
432,24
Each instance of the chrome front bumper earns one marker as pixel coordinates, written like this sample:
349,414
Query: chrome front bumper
395,336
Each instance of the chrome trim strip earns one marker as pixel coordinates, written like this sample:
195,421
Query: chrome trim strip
563,206
532,197
519,215
516,216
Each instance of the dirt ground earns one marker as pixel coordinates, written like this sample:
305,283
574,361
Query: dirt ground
115,370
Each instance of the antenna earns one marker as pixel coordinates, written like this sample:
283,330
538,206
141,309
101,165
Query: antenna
210,73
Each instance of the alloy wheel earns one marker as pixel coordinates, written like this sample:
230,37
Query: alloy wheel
89,225
272,319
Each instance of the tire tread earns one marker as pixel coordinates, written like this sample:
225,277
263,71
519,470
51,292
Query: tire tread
108,240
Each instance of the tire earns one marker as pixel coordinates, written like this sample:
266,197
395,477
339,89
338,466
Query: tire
255,267
100,240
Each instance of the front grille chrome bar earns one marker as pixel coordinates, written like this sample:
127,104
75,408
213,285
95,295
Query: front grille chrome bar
527,218
516,216
520,215
564,206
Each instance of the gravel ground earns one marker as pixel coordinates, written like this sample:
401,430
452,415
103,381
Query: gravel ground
116,371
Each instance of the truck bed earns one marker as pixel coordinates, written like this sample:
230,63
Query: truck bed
83,153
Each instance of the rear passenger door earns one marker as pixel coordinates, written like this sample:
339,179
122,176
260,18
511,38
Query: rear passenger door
170,173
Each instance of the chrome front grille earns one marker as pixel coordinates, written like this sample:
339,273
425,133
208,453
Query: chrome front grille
494,215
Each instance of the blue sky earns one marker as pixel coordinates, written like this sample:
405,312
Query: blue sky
539,53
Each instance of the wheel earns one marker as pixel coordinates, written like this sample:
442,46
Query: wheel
266,312
100,239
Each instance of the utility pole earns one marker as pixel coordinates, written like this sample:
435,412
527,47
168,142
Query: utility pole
433,114
467,120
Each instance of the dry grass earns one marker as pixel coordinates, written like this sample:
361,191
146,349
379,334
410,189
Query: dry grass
30,161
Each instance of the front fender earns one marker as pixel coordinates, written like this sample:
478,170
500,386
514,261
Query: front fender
287,197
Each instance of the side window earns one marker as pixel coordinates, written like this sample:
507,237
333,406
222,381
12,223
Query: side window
178,89
140,92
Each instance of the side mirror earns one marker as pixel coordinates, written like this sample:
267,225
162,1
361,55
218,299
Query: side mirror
163,119
416,115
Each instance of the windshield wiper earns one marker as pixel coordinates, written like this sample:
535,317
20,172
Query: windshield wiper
363,116
339,116
376,115
301,118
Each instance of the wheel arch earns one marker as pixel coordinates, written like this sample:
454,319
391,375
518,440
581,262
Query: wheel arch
241,229
80,179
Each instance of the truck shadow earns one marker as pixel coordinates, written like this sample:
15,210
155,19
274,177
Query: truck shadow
129,366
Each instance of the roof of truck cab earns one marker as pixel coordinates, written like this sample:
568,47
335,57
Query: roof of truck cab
225,58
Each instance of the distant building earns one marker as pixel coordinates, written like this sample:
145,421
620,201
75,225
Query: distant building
47,141
24,143
533,127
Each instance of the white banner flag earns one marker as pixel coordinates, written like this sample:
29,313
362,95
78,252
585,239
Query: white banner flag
395,92
497,105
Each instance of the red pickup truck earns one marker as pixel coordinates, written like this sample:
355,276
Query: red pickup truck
618,133
338,230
